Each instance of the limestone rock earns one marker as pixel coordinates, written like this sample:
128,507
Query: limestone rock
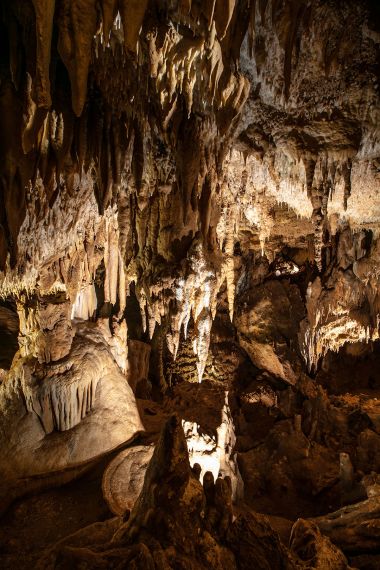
124,477
84,408
175,521
354,527
267,314
315,549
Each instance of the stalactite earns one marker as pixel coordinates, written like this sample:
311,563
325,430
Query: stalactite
223,15
85,303
77,27
114,274
109,10
132,14
201,342
44,10
335,316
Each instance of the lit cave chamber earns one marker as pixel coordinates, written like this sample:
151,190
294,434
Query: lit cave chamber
189,284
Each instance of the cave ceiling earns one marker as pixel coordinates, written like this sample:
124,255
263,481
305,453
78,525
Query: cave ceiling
153,137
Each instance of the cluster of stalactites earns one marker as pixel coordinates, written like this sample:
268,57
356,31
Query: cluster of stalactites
315,187
194,294
192,67
318,342
349,309
184,58
85,303
181,60
64,288
78,24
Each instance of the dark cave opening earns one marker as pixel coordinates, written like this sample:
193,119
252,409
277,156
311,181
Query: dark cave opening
9,329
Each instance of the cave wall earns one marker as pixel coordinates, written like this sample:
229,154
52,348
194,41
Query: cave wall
215,165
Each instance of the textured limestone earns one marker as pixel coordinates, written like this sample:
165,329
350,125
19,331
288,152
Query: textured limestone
203,515
62,415
124,478
353,527
190,191
313,548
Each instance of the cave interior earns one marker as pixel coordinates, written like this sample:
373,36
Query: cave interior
190,284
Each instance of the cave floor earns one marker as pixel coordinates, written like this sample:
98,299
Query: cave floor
33,523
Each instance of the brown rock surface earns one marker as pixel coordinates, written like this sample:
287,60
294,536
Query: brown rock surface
124,477
189,224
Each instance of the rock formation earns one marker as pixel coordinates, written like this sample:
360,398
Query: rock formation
124,478
189,225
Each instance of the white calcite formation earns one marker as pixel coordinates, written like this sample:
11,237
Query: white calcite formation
215,454
85,303
348,309
58,416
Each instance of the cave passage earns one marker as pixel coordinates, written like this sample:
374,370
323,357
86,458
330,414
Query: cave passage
190,284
